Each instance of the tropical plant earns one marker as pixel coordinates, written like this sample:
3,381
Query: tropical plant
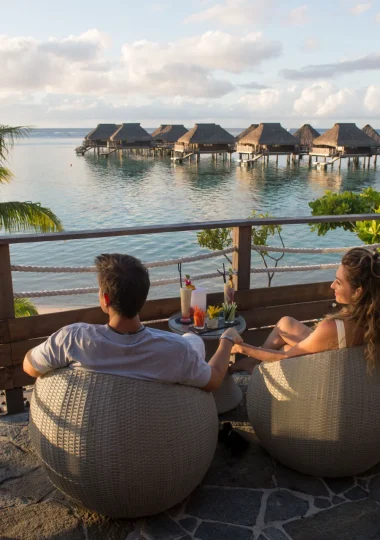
219,239
335,204
24,307
21,216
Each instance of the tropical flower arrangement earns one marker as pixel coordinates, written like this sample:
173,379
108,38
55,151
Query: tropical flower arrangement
213,313
229,311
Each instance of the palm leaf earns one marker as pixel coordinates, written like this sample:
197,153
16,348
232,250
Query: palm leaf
8,135
25,216
5,175
24,307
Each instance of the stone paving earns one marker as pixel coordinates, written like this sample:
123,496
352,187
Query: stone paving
250,497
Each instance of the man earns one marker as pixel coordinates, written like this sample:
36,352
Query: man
126,347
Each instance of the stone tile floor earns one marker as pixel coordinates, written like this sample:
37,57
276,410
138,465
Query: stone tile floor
251,497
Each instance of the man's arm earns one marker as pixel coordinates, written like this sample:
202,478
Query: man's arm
27,366
220,361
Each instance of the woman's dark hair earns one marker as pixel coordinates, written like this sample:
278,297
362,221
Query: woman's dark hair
362,269
125,280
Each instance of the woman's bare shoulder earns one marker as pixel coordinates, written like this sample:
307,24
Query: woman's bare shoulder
327,326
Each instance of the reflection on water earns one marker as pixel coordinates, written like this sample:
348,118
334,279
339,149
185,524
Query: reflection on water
93,192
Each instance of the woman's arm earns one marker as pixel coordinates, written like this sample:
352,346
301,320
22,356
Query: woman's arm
323,338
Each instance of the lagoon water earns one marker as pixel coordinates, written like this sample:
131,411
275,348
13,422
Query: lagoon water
90,192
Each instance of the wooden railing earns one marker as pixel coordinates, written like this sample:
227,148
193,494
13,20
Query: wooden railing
261,307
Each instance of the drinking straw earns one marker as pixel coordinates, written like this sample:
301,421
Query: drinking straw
223,274
180,274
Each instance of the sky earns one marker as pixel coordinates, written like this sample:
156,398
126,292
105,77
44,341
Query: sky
233,62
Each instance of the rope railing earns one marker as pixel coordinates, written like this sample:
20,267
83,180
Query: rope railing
155,264
170,262
173,280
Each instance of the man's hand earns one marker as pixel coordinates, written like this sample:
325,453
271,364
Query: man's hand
233,334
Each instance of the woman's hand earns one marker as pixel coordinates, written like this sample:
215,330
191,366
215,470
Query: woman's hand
236,349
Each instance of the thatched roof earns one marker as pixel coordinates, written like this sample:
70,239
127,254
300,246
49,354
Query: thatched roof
207,134
270,134
169,133
306,135
246,131
131,133
368,130
102,132
344,135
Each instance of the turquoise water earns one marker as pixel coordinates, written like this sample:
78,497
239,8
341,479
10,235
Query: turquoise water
90,192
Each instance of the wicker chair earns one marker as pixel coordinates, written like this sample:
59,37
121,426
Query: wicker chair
122,447
318,414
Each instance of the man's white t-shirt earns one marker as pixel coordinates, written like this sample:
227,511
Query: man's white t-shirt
149,354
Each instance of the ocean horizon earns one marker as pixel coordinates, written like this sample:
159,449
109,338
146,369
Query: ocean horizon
90,192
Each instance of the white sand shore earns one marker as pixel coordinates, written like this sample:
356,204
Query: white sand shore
42,310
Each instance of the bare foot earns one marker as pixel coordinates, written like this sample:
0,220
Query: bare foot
244,364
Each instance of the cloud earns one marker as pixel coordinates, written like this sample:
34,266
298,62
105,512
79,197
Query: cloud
377,18
360,8
263,101
324,71
79,64
372,99
299,16
253,86
212,50
310,44
233,13
324,100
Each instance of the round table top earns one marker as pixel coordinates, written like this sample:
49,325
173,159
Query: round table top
179,328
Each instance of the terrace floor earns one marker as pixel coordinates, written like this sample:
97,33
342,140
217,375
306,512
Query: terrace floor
251,497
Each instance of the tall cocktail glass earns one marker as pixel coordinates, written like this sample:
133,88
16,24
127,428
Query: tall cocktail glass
185,295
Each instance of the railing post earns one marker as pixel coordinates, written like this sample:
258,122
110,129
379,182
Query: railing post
14,397
242,257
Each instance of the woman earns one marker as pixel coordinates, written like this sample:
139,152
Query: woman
357,286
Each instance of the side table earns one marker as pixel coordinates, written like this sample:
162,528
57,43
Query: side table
228,395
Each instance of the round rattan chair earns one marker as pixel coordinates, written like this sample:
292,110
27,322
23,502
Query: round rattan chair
122,447
318,414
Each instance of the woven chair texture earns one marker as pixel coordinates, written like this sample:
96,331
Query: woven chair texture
122,447
318,414
228,395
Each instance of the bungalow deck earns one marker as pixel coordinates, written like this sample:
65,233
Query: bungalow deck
245,497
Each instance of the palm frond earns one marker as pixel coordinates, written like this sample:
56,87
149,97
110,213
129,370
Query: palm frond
26,216
6,175
8,135
24,307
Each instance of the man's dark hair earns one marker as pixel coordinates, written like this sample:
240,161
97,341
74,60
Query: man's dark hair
125,280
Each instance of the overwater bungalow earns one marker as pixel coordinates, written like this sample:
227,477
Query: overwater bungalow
306,135
97,138
368,130
246,132
343,140
204,139
131,136
267,139
168,134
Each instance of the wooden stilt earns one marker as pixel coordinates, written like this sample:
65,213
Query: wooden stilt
310,159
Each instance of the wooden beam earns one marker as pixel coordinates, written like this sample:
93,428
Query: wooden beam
14,397
178,227
257,318
6,287
242,239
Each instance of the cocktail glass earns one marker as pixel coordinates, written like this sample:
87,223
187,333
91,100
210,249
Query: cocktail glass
229,293
185,295
229,313
199,318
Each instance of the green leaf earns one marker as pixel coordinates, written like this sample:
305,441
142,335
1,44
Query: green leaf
334,204
24,216
24,307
